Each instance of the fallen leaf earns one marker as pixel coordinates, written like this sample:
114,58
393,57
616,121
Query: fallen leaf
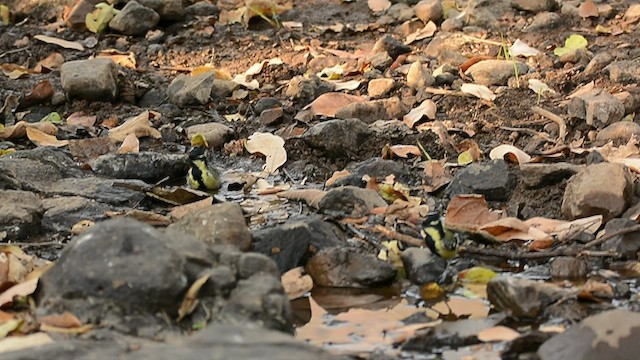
328,104
139,125
427,31
346,85
479,91
404,151
509,153
16,343
511,228
498,333
436,175
427,108
40,138
337,175
51,62
123,59
311,197
60,42
476,275
98,20
539,87
572,43
5,15
80,119
70,331
467,213
52,117
130,145
40,93
23,289
378,5
191,297
269,145
9,326
588,9
64,320
296,283
521,48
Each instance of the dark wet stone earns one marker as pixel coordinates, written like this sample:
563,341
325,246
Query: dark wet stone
391,46
266,104
20,214
522,298
374,167
338,138
422,266
287,244
344,267
492,179
613,334
350,201
147,166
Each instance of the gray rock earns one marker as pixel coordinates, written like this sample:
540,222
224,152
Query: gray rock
250,264
567,267
626,245
491,179
495,72
400,12
428,10
169,10
344,267
270,117
540,175
215,133
307,87
35,170
370,111
613,334
187,90
349,201
146,165
20,214
222,88
422,266
452,24
620,131
534,5
202,8
61,213
218,224
93,79
286,244
266,104
419,76
598,108
451,334
380,87
337,138
374,167
522,298
99,189
134,19
391,46
380,60
545,21
625,71
597,63
601,189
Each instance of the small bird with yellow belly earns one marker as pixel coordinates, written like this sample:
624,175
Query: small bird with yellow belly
440,241
202,176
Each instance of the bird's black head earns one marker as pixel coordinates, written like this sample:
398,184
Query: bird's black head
197,153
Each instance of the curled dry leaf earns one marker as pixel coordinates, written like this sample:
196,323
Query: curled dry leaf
427,108
328,104
130,145
296,283
79,118
539,87
191,297
479,91
378,5
436,175
41,138
23,289
337,175
498,333
467,213
269,145
64,320
509,153
427,31
311,197
123,59
404,151
139,125
19,130
60,42
508,229
521,48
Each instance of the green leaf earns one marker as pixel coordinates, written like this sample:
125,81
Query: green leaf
5,15
53,118
98,20
476,275
465,158
7,151
572,43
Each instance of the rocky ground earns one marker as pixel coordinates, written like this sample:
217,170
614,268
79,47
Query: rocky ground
337,126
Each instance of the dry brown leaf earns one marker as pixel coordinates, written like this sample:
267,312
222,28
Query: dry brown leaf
427,31
296,283
310,196
337,175
588,9
60,42
130,145
19,130
191,297
41,138
511,228
467,213
498,333
51,62
404,151
139,125
23,289
509,153
479,91
427,108
328,104
80,119
41,92
64,320
84,150
123,59
378,5
269,145
69,331
15,343
471,146
436,175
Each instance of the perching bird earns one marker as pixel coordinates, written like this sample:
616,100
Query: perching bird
440,241
202,176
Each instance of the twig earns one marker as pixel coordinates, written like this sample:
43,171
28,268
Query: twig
13,51
562,131
606,237
391,234
47,243
528,131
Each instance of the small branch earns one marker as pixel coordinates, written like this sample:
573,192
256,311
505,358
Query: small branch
13,51
391,234
606,237
528,131
562,131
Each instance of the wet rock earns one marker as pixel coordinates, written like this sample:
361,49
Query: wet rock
380,87
99,189
544,21
146,165
377,168
93,79
626,71
215,133
451,334
626,245
422,266
218,224
601,189
495,72
419,76
307,87
534,5
20,214
428,10
620,131
491,179
540,175
613,334
597,63
522,298
391,46
598,108
566,267
344,267
370,111
337,138
349,201
61,213
134,19
286,244
187,90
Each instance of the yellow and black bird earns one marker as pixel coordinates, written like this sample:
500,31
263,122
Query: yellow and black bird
202,176
440,241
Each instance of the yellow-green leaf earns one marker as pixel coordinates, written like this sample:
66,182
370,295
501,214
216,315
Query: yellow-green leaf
199,140
476,275
7,151
465,158
572,43
5,15
53,118
98,20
